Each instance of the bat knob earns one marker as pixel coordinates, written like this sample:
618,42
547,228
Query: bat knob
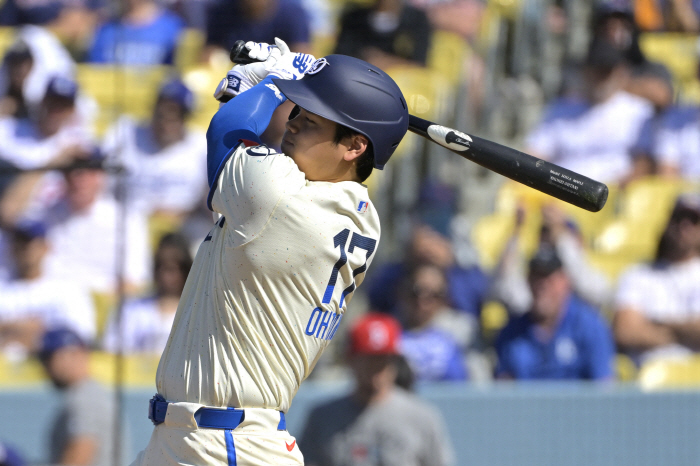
239,53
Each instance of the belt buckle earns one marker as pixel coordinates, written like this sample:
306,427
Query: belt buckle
152,404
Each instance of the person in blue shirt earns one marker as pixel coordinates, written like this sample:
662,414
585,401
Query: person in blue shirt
145,35
560,337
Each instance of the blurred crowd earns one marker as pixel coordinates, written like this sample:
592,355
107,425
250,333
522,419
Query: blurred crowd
103,186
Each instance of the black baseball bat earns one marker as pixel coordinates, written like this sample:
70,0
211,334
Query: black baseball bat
538,174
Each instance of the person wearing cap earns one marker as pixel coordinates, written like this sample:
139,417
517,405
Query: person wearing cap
165,161
33,302
657,305
82,431
294,235
509,283
81,221
144,33
594,127
560,337
53,132
379,422
436,338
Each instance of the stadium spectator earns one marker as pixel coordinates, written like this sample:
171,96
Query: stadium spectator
593,134
257,21
82,431
435,337
379,422
33,142
16,67
82,225
21,12
53,47
165,160
509,283
463,17
613,22
9,456
146,322
560,337
144,34
676,145
430,242
32,302
658,304
662,15
387,33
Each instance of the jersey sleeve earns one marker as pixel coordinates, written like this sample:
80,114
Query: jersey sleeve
252,182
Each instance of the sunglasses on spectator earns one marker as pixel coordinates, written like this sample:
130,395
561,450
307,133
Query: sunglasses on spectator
427,293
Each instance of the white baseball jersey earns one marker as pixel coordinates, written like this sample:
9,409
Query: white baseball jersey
269,284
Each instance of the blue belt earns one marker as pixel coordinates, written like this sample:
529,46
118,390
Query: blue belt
210,418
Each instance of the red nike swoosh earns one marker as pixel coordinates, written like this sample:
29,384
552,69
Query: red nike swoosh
290,447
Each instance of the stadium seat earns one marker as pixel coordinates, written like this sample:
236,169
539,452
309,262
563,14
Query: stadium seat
202,80
678,51
121,90
494,316
18,374
189,48
492,232
7,38
648,201
137,371
104,304
625,369
683,373
611,264
447,54
632,239
427,92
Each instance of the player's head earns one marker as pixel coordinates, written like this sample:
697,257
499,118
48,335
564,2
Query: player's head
65,356
374,350
362,99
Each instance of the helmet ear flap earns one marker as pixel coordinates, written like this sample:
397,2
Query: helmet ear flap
295,111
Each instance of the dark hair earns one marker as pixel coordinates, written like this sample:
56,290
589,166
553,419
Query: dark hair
180,244
365,163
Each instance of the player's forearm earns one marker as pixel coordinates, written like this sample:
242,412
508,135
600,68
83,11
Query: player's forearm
245,117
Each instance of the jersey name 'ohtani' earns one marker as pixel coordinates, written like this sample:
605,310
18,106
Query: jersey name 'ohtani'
269,284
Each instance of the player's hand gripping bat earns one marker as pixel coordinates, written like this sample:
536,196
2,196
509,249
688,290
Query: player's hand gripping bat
538,174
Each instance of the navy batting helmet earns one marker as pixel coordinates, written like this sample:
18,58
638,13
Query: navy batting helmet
353,93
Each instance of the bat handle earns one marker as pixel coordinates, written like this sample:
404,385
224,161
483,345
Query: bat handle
239,53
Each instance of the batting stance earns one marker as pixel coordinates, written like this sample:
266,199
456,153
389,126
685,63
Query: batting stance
273,277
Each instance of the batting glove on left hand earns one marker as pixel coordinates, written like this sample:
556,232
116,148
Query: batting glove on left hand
242,77
291,65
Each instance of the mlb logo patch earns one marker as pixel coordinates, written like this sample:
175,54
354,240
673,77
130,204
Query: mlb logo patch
362,207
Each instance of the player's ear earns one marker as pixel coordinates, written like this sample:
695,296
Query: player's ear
357,145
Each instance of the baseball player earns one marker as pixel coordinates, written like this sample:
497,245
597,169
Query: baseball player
273,277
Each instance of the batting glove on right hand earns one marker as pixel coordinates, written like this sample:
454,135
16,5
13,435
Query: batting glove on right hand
290,65
242,77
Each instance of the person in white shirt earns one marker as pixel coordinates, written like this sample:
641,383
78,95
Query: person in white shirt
32,302
271,281
595,134
146,321
658,305
165,161
676,147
